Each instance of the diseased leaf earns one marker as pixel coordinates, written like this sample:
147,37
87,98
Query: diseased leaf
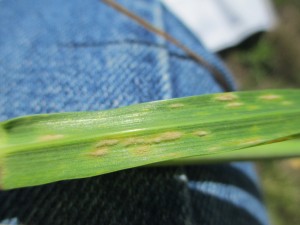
41,149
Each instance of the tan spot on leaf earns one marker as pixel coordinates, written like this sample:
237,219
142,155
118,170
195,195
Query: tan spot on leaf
168,136
100,151
226,97
270,97
213,149
146,109
107,143
252,141
201,133
51,137
176,105
234,104
142,150
134,141
172,155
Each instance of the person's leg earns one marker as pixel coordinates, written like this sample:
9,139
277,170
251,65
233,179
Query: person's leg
81,55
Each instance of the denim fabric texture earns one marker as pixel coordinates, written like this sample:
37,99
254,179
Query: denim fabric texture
58,56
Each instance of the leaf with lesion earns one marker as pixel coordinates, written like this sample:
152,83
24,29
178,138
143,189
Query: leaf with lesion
41,149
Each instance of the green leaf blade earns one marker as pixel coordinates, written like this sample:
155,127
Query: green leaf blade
46,148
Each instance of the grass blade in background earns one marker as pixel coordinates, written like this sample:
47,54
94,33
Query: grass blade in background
46,148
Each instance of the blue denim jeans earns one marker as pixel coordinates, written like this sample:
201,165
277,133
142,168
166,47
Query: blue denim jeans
58,56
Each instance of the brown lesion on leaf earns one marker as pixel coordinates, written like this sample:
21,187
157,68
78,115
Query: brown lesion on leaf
110,142
51,137
142,150
168,136
235,104
226,97
252,141
201,133
100,151
102,147
270,97
176,105
134,141
214,149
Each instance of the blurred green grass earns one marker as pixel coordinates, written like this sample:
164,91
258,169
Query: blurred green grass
272,60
